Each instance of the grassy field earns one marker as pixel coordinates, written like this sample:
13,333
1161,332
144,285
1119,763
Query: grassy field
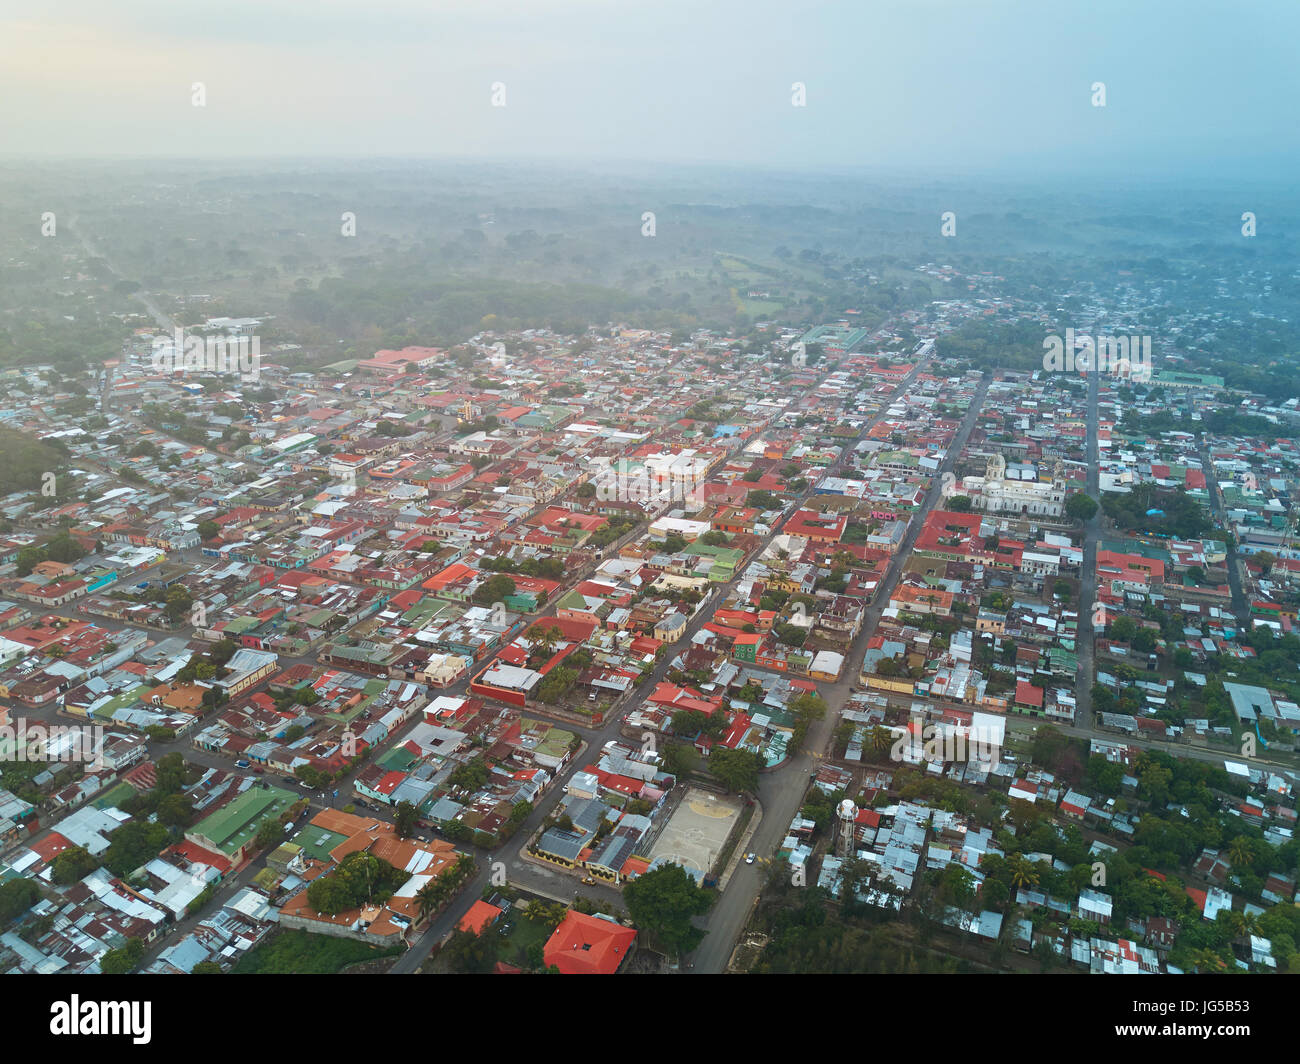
300,953
522,935
113,795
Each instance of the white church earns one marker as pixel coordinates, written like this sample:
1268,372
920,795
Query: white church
1021,492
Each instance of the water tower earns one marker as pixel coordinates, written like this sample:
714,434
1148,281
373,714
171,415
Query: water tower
848,814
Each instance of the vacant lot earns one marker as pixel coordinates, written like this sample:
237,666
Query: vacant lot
300,953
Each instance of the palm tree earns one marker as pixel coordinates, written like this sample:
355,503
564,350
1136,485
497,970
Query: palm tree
427,899
1023,871
463,867
547,637
1233,921
1240,851
881,739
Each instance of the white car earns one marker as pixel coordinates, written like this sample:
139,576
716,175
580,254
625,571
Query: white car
749,858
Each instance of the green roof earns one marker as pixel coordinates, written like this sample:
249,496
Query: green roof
555,743
1062,658
1167,376
230,827
317,843
723,555
399,758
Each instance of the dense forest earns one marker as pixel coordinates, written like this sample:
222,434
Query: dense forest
342,261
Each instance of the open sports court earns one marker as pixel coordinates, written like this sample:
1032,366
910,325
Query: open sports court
697,830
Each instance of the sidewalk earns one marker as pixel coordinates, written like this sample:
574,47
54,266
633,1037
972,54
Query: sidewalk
742,847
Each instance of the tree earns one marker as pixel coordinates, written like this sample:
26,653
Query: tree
72,865
208,530
1106,776
28,559
121,961
1081,507
1024,872
737,770
175,810
469,953
809,705
959,504
662,903
1153,783
134,844
556,684
405,816
1123,629
882,739
359,878
457,831
469,776
1048,745
1144,640
676,759
494,589
957,885
546,914
269,833
16,897
1240,852
429,898
546,638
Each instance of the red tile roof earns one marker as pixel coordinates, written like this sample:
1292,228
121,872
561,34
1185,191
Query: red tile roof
481,916
588,945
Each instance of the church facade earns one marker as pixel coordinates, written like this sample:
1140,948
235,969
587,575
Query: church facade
995,493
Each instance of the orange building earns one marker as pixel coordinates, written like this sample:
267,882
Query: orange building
588,945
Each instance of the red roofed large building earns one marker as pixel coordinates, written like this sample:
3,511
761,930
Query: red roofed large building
1132,569
588,945
388,362
954,536
820,528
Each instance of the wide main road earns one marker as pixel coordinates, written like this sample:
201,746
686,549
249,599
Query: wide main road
1088,572
1219,510
781,791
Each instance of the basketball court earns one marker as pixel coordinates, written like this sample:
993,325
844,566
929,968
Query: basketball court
697,830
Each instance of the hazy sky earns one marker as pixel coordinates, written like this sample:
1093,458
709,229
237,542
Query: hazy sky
952,85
